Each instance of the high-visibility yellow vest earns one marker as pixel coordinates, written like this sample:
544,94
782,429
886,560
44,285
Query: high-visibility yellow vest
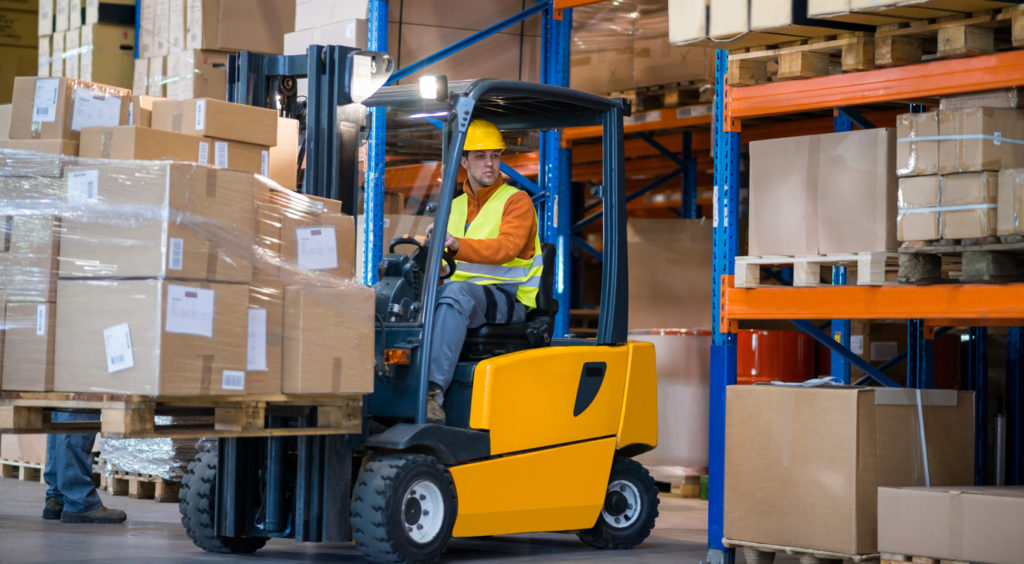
523,273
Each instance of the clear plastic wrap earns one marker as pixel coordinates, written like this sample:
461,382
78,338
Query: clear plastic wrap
173,279
165,458
948,206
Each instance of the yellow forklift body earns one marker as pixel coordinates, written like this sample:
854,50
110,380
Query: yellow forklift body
554,489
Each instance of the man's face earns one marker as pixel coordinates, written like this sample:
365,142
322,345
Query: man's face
482,167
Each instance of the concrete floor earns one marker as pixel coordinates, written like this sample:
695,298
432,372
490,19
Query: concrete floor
153,535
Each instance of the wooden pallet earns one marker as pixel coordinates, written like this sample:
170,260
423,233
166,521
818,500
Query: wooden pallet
140,486
22,470
671,95
863,269
986,260
888,558
123,417
953,36
761,553
805,58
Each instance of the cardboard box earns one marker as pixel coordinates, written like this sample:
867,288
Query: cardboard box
147,21
28,265
1010,202
43,53
727,18
161,28
316,320
917,158
151,337
45,161
45,17
19,29
57,55
197,74
973,196
679,251
238,156
856,191
29,347
108,54
240,25
965,152
176,25
24,448
198,222
140,143
72,52
265,347
976,524
602,71
1003,98
783,196
918,217
395,226
58,108
14,62
217,119
687,20
155,85
656,62
60,10
318,249
5,121
140,77
284,157
141,111
349,33
316,13
818,456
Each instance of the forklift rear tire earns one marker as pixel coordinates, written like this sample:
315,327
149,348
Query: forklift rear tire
630,508
403,509
196,505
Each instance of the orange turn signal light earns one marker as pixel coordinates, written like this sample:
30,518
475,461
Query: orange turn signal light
396,356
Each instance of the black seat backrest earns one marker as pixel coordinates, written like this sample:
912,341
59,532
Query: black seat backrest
546,304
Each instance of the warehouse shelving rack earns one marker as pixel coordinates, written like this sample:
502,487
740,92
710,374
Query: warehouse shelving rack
924,307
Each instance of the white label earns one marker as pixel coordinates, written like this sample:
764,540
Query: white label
256,353
83,186
177,249
41,320
265,163
318,248
200,115
220,154
44,106
189,310
94,109
350,30
117,343
204,153
857,344
131,113
233,380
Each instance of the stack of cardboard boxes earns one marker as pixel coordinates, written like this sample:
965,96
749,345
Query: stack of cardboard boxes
17,43
92,40
169,277
949,162
184,44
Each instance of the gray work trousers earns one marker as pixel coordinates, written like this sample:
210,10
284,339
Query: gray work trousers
462,306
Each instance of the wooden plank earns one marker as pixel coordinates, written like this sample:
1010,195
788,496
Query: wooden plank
245,417
21,418
117,485
964,41
165,491
894,50
140,488
128,420
803,64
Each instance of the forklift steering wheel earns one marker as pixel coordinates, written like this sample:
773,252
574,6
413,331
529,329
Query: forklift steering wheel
449,261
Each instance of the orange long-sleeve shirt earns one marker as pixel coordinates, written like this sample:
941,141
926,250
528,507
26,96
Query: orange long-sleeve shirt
515,236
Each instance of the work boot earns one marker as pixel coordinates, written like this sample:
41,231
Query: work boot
435,413
101,514
53,508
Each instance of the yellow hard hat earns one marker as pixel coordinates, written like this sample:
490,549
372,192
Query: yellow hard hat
483,136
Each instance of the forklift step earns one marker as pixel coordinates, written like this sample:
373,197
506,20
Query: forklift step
123,417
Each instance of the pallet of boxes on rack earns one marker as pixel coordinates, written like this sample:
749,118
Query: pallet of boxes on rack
153,269
960,190
184,44
92,40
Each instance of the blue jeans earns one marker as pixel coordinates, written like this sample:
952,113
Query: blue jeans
69,465
462,306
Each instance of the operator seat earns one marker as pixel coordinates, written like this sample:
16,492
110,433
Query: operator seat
497,339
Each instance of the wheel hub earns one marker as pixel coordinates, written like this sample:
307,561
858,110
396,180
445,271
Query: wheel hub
622,504
423,511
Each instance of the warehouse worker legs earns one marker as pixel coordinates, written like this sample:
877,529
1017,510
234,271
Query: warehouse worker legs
462,306
72,497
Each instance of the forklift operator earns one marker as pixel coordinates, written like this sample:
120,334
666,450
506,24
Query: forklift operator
492,235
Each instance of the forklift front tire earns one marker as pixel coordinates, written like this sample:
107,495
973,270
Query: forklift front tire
197,494
403,509
630,508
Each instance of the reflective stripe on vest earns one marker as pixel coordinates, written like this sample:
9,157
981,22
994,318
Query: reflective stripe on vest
523,273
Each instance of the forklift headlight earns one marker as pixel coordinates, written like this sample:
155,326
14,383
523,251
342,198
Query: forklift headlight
434,87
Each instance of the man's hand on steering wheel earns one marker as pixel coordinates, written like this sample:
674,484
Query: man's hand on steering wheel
451,243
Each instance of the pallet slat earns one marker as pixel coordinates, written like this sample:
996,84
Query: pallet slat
866,268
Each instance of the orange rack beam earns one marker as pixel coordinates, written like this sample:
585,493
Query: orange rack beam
952,76
643,121
948,302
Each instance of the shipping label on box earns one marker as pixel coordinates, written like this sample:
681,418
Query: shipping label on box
151,337
28,357
58,108
188,222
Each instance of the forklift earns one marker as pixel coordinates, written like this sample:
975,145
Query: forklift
540,431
